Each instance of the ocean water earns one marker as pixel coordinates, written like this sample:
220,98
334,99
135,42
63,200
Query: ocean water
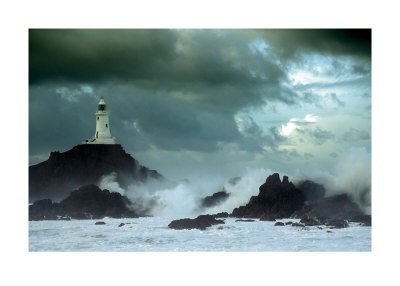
153,234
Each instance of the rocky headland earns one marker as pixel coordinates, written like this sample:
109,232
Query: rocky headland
82,165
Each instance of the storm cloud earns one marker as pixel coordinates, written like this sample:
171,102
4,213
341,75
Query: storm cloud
208,94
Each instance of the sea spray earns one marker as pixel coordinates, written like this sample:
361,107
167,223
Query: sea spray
109,182
351,175
183,199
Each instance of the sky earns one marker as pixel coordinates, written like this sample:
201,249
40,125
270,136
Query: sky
201,103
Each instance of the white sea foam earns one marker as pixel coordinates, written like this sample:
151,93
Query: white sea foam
153,234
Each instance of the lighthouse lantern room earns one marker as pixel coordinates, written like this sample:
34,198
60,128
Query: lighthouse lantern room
102,135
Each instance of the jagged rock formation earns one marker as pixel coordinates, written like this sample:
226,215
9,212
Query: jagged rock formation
276,199
88,202
82,165
200,222
281,199
311,191
215,199
336,207
221,215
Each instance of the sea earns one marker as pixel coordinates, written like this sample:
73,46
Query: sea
151,234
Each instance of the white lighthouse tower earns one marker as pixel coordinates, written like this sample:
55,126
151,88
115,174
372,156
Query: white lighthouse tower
102,135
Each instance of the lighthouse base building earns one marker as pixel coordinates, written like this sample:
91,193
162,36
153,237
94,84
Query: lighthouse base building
103,134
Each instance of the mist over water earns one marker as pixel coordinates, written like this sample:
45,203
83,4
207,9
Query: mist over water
184,198
351,175
158,198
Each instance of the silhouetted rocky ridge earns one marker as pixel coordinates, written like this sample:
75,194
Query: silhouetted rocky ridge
282,199
88,202
82,165
215,199
276,199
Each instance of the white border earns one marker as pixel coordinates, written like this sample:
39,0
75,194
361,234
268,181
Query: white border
21,267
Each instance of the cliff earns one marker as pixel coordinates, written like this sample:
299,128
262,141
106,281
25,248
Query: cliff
83,165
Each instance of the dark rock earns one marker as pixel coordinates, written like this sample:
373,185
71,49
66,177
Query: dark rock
245,220
298,224
336,223
337,207
121,224
331,222
310,221
201,222
221,215
275,200
44,210
311,191
82,165
288,223
100,223
281,199
279,224
328,231
285,180
91,202
215,199
269,217
88,202
363,219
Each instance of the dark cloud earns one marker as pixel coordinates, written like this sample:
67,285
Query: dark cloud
180,90
56,123
336,42
94,55
216,69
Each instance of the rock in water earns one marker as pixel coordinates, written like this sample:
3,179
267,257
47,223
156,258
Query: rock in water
215,199
100,223
201,222
221,215
311,191
88,202
277,199
334,207
331,222
82,165
43,210
298,224
363,219
310,221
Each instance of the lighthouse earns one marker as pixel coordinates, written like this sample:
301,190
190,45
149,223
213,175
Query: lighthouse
103,134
